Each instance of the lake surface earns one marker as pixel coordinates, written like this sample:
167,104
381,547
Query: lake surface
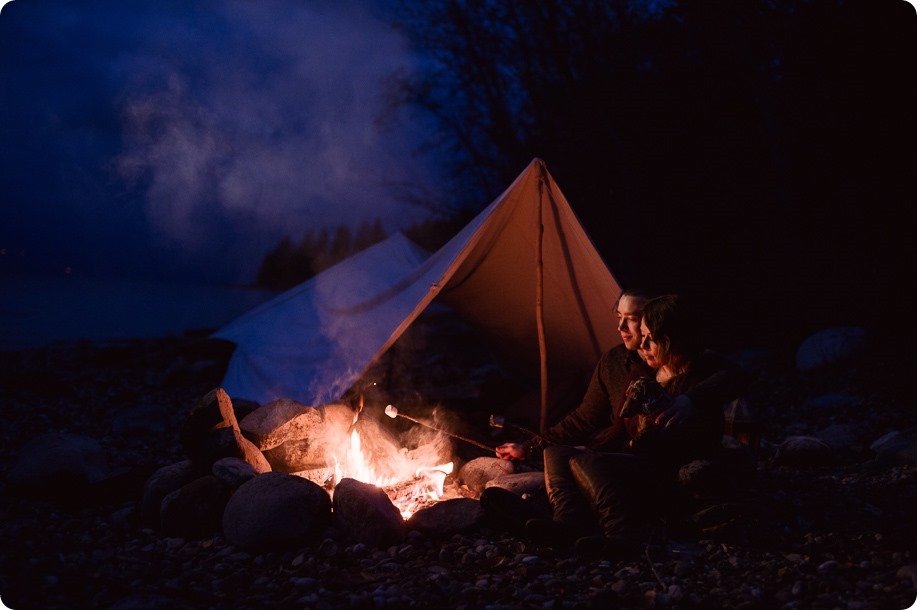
40,310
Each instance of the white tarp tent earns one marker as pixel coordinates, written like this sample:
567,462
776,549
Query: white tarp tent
523,271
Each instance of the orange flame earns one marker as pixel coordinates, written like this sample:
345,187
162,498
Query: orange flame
427,484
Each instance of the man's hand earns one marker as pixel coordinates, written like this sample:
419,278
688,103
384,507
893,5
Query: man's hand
681,411
511,451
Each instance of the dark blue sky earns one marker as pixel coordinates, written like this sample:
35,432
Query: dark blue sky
180,140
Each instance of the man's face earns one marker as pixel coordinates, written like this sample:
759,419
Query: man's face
628,314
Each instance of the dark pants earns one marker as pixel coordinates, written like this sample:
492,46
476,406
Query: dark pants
615,493
571,508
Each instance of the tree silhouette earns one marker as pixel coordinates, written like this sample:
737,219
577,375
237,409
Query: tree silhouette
754,153
289,264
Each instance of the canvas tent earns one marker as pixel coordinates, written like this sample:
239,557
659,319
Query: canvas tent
523,272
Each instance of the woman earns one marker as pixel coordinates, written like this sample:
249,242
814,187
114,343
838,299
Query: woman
700,381
634,471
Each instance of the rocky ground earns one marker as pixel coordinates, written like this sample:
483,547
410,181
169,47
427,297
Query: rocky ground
831,526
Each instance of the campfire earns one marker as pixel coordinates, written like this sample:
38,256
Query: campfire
410,487
412,479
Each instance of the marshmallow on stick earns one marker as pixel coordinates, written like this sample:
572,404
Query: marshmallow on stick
392,412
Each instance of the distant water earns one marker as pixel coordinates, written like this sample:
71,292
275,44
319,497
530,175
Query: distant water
37,310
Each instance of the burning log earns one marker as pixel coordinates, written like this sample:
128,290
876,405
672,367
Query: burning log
405,496
392,412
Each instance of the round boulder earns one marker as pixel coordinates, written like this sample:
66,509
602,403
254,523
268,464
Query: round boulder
276,511
479,471
58,465
830,346
366,512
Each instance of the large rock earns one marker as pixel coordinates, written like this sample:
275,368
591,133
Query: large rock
280,421
846,438
194,510
58,465
896,448
830,346
320,476
295,437
213,411
233,472
803,451
297,455
523,483
479,471
229,442
367,513
337,416
448,517
160,484
275,511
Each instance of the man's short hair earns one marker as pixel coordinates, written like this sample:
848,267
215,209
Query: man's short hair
635,293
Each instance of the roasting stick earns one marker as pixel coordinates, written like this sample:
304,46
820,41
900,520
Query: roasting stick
392,412
498,421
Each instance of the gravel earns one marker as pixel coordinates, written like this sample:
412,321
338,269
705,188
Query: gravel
839,534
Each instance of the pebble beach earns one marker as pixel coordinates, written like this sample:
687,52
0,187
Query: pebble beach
831,530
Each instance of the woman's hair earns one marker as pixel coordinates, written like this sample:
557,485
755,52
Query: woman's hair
672,324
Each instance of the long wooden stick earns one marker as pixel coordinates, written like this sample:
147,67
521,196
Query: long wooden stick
539,305
456,436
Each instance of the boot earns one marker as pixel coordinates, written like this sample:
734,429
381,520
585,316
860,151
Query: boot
572,514
618,486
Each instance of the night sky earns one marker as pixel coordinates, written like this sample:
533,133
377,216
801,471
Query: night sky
178,141
181,141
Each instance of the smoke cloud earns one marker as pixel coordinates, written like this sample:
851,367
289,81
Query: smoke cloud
248,121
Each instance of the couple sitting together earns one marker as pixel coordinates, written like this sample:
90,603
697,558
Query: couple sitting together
654,404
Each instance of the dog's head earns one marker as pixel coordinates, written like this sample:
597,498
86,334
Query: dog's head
645,396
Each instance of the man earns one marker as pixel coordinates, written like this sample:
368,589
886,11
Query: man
590,425
592,420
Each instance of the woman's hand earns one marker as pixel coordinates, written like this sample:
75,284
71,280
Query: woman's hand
511,451
682,410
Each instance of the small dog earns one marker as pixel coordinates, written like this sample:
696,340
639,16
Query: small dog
644,400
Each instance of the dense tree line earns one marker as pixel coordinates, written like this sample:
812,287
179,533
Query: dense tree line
758,153
290,263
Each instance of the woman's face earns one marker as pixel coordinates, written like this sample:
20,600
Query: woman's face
649,349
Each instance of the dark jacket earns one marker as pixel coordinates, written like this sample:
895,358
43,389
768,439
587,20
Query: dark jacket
711,382
601,403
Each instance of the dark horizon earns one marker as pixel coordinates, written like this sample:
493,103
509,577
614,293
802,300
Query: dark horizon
761,162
